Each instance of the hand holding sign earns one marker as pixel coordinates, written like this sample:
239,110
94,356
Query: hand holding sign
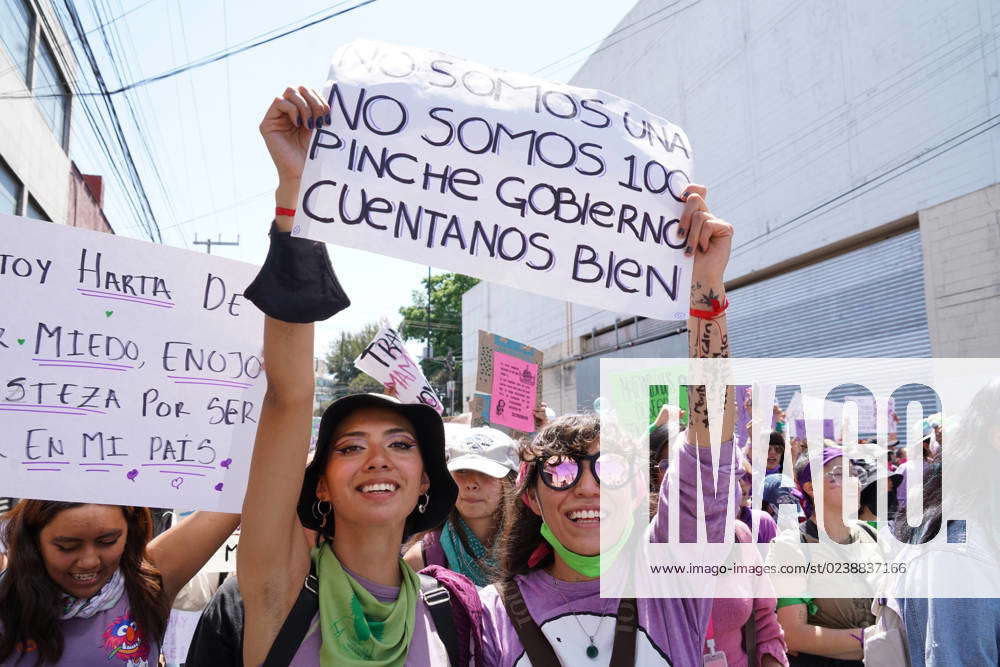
538,185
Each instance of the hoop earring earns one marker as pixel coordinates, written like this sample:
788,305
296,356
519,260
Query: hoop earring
321,514
424,502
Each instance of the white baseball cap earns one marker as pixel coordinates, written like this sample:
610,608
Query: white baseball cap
484,450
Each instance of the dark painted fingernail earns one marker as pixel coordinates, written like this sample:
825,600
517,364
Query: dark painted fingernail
319,122
309,123
687,250
298,121
328,121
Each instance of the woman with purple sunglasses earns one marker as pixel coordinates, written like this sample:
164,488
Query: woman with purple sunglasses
548,610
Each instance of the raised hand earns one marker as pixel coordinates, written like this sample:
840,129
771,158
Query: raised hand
287,128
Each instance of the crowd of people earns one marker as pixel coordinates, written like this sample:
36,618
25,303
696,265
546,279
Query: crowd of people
405,540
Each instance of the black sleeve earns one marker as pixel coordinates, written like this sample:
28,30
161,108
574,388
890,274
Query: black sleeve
218,638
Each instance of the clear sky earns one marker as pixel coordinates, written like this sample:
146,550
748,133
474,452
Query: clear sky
200,127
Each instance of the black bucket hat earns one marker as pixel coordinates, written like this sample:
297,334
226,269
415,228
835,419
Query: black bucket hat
430,438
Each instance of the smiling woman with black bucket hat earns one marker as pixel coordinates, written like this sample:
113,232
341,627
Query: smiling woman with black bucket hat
378,477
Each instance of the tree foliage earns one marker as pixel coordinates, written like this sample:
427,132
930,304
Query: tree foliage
343,351
446,290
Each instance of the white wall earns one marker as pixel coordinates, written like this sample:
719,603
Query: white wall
961,240
28,145
789,104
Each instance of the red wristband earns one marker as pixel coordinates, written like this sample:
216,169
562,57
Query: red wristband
290,212
717,310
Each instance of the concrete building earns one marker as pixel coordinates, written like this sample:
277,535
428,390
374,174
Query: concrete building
853,146
37,177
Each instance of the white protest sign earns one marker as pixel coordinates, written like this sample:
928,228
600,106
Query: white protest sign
562,191
387,360
180,632
224,558
130,373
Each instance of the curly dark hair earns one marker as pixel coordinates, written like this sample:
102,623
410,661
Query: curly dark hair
30,600
572,435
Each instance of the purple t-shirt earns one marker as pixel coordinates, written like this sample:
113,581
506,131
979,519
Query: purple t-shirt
766,527
426,648
109,638
670,630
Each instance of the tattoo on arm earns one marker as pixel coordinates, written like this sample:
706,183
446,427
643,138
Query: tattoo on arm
707,339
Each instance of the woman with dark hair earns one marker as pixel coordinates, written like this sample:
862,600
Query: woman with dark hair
86,583
775,452
548,610
378,476
483,462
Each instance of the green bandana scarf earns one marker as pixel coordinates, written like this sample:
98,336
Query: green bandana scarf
358,630
588,566
461,560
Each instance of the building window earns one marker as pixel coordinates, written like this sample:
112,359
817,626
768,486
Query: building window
10,190
35,211
52,89
15,32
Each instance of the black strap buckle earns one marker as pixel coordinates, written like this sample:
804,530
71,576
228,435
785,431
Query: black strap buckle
439,595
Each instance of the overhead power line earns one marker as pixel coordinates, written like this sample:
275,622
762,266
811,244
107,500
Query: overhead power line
208,60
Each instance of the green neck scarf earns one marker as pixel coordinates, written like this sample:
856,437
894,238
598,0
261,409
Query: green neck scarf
358,630
459,559
588,566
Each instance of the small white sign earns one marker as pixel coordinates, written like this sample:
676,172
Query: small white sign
387,360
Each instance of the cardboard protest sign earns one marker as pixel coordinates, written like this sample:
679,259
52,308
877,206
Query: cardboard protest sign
387,360
514,392
508,385
131,372
544,187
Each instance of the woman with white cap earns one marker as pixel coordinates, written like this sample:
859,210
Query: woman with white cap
378,476
483,462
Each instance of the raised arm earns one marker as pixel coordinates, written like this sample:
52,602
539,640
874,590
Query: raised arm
274,556
185,548
710,241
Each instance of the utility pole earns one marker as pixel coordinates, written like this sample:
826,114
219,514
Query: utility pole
208,243
430,349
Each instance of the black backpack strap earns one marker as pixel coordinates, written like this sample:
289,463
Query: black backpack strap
438,601
536,646
623,648
296,624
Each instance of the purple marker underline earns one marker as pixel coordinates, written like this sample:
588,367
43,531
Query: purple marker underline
98,292
178,465
42,405
100,368
85,361
96,470
44,469
49,412
183,472
195,377
94,463
46,463
122,297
